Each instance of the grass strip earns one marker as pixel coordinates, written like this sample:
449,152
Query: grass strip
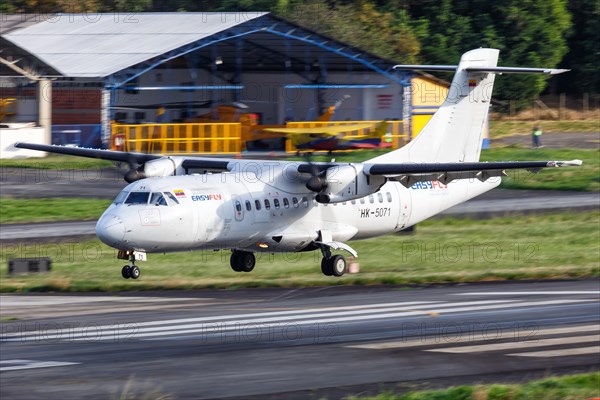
55,161
506,128
50,209
548,246
584,178
569,387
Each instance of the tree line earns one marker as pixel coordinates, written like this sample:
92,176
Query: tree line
548,33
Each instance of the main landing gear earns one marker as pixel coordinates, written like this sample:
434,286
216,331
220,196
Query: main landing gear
242,261
332,265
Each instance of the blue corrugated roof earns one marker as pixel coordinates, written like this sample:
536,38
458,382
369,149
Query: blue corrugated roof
98,45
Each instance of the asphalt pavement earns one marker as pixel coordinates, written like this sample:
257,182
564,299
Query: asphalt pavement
294,344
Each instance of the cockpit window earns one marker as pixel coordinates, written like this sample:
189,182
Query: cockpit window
121,197
172,197
158,199
137,198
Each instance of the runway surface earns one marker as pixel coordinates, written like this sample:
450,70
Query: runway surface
305,343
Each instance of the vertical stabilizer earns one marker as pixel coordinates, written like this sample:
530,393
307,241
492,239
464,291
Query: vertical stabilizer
455,131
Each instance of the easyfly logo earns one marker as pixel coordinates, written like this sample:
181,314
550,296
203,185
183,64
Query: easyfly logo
207,197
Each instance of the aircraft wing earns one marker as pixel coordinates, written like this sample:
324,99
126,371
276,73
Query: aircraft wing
322,130
138,158
110,155
410,173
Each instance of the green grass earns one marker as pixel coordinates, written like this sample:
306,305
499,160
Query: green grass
570,387
558,245
507,128
50,209
584,178
56,161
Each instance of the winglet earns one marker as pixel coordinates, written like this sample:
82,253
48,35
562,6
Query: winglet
572,163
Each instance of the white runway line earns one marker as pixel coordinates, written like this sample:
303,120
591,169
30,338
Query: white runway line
15,365
561,353
431,340
242,322
37,301
531,293
518,345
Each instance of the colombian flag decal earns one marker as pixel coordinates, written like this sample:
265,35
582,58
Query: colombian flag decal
179,193
472,82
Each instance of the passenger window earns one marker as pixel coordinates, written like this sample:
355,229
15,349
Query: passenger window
137,198
121,197
371,199
172,197
362,200
238,206
380,197
257,204
276,203
353,202
158,199
295,202
286,202
267,204
248,206
389,197
305,201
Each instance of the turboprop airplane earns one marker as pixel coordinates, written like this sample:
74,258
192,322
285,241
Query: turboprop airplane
194,203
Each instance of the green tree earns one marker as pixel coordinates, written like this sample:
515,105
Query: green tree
584,49
361,25
528,33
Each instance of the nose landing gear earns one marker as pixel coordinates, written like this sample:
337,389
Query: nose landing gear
129,271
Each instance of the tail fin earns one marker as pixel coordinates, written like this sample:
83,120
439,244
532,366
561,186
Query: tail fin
454,133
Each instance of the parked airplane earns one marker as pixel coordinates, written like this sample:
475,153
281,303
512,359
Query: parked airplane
190,203
331,138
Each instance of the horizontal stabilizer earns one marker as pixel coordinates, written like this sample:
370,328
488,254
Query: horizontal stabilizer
517,70
494,70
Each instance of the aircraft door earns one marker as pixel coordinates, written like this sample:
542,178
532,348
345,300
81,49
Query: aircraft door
405,205
238,207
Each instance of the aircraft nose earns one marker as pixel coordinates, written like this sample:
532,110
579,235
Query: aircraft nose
110,230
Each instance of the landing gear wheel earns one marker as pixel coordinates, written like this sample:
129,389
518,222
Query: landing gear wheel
247,262
338,265
125,272
326,267
242,261
134,272
235,261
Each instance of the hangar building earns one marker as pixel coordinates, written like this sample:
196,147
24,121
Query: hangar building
103,72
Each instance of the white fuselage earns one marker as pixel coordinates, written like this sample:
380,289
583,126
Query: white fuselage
271,212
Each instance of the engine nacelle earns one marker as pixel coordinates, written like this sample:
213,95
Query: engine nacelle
165,166
348,182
